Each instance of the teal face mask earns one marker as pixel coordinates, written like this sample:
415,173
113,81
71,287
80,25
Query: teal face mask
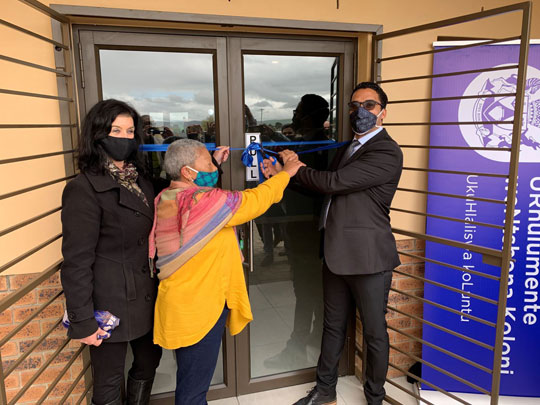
205,179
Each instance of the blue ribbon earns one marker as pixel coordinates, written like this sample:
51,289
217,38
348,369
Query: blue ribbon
212,146
332,145
259,149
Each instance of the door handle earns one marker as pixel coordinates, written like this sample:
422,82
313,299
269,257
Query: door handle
251,246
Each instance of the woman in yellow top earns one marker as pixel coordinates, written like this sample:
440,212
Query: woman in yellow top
202,284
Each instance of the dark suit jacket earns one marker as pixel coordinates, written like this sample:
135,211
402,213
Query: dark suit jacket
357,236
105,249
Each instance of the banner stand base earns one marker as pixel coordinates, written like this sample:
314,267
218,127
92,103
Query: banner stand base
475,399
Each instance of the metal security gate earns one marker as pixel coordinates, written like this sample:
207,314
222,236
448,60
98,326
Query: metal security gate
69,377
500,258
65,121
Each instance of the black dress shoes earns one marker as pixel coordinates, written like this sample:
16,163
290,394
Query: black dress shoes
316,398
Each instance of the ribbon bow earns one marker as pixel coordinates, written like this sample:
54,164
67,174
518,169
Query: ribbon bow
247,157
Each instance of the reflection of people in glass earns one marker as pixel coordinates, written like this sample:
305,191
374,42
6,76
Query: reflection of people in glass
107,214
210,136
303,240
327,129
167,133
200,264
249,119
288,131
153,162
309,117
195,132
271,233
268,133
146,124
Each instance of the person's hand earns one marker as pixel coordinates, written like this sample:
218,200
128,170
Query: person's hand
269,169
288,155
221,154
93,339
292,166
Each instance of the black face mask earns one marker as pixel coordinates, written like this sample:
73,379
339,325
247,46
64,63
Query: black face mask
119,148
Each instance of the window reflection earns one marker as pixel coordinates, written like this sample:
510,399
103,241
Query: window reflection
288,100
274,86
174,93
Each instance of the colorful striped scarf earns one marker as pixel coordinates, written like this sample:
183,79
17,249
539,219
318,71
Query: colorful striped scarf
185,221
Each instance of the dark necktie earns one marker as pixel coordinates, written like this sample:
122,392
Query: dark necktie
350,150
328,197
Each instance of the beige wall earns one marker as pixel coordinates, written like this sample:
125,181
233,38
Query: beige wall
24,142
392,14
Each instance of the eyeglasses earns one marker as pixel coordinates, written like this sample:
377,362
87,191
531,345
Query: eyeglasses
368,105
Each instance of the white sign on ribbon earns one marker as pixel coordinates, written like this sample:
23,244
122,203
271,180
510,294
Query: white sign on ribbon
252,172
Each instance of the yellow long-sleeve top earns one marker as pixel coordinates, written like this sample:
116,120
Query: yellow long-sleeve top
191,300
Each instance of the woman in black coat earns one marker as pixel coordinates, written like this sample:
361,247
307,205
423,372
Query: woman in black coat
107,214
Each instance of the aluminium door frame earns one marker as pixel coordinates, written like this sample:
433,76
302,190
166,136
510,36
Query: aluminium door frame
237,47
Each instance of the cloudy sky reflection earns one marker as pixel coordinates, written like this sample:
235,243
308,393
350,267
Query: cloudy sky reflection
276,83
172,84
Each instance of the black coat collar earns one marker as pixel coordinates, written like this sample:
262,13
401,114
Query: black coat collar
103,182
338,159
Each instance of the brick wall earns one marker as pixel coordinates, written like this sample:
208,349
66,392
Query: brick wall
403,303
21,342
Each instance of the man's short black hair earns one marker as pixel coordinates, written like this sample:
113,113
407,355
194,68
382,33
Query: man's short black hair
373,86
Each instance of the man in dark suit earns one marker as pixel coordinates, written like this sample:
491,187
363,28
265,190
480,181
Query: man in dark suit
359,249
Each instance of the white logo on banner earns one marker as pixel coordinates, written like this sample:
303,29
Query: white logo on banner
502,109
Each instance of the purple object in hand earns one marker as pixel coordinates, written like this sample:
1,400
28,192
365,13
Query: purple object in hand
106,321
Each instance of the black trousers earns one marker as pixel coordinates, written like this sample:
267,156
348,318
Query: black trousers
108,364
370,293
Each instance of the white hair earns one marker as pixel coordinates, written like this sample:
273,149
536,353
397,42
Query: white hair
180,153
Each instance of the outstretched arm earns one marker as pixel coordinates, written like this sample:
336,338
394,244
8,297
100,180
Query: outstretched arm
373,168
257,200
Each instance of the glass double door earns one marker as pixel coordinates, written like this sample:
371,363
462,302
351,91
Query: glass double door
290,92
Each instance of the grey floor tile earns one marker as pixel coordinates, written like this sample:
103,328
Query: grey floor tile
279,293
226,401
257,299
281,396
268,327
350,391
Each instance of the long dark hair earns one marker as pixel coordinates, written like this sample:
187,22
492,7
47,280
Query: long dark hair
96,126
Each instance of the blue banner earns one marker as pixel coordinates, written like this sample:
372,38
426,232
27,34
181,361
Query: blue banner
520,374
